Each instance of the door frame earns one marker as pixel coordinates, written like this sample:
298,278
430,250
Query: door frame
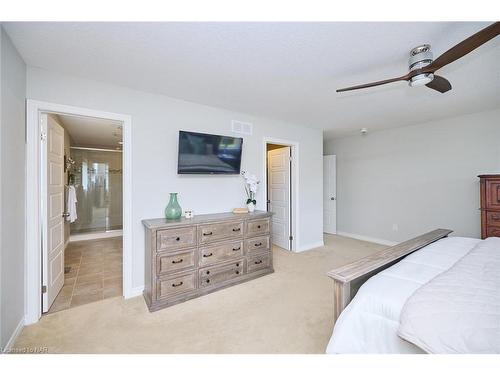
33,235
294,196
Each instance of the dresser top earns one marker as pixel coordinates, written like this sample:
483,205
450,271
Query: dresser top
200,219
489,176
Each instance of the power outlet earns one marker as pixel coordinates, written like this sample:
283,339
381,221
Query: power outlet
395,227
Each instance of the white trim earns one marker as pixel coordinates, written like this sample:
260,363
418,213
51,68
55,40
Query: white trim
310,246
295,186
367,238
95,235
33,308
14,336
94,149
134,292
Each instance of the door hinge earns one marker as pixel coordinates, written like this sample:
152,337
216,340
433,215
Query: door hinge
44,289
290,238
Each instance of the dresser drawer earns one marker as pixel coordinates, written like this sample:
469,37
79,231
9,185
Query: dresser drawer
168,262
492,196
259,262
216,274
257,227
254,245
221,252
170,286
492,231
220,231
176,238
493,218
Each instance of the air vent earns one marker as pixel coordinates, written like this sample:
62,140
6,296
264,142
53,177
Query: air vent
241,127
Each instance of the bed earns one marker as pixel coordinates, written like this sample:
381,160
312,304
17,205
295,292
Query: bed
404,283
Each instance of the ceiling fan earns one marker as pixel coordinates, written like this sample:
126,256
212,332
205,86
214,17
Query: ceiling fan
422,66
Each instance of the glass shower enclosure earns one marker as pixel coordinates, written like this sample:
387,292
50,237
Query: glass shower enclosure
97,178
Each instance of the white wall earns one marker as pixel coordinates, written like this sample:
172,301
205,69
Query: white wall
12,181
419,177
156,121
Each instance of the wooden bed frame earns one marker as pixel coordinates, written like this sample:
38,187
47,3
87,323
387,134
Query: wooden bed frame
348,279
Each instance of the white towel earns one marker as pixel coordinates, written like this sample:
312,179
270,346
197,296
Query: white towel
71,204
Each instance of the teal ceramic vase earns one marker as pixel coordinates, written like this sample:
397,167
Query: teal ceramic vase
173,210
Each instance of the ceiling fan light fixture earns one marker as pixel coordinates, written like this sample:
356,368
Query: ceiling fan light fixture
421,79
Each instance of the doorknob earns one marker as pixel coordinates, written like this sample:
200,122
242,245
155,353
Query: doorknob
65,214
332,198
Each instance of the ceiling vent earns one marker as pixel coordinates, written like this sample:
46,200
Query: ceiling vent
241,127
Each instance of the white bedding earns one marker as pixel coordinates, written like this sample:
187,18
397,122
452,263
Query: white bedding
459,310
369,324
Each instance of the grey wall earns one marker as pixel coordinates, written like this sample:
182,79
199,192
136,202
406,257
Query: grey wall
418,177
156,120
12,175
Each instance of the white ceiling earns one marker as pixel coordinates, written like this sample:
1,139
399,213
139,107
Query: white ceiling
286,71
92,132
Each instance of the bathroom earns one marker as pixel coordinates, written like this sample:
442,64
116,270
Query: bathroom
93,206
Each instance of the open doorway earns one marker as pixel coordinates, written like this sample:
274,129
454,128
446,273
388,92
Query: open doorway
79,234
280,170
82,247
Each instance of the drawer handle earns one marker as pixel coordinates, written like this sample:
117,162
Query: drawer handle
258,261
236,248
236,229
178,284
208,234
207,255
208,272
237,272
177,261
258,244
237,264
178,239
208,280
258,226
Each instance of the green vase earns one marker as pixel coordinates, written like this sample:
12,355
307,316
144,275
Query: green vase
173,210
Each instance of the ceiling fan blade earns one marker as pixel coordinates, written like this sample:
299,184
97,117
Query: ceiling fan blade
439,84
378,83
464,47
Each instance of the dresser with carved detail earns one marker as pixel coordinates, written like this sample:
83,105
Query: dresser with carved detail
188,258
490,205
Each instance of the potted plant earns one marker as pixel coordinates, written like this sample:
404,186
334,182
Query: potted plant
251,184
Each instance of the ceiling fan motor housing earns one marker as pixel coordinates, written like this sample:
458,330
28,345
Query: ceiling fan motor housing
420,57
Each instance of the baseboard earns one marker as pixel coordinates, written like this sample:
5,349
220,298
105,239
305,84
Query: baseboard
14,336
95,235
134,292
367,238
310,246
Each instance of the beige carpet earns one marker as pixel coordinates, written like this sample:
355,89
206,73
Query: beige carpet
289,311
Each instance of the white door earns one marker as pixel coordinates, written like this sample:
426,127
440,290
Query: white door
52,210
278,169
329,194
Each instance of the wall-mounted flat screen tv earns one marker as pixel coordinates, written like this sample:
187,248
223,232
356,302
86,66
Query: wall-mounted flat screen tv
208,154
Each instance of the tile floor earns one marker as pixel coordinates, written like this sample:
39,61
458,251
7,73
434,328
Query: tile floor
96,272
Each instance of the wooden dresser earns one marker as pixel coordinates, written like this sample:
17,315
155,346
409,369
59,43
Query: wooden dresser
490,205
188,258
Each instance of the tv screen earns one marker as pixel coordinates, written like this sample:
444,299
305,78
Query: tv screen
208,154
